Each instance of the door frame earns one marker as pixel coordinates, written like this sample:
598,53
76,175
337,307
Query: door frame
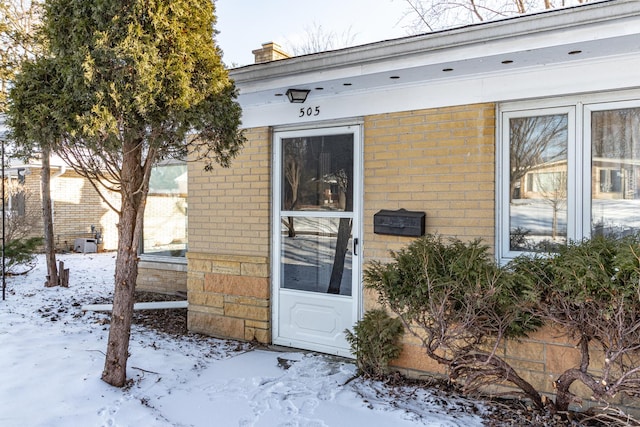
276,237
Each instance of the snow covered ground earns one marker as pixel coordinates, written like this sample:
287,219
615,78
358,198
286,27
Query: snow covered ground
52,355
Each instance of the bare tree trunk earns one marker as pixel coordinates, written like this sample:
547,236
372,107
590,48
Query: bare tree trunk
291,227
342,243
135,185
47,219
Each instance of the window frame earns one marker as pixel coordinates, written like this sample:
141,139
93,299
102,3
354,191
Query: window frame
155,256
504,251
579,166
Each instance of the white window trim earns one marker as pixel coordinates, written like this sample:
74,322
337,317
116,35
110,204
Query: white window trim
503,207
579,109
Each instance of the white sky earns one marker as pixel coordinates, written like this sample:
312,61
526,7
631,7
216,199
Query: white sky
245,24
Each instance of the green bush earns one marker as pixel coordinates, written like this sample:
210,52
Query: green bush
592,290
460,304
375,342
20,255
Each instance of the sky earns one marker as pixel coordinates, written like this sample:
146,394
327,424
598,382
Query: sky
244,25
52,356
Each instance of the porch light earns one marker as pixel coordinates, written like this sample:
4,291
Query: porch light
297,95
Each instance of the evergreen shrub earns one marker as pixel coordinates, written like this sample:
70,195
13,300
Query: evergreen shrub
375,341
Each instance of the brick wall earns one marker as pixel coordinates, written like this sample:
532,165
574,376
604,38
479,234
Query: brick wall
77,206
442,162
229,208
228,259
439,161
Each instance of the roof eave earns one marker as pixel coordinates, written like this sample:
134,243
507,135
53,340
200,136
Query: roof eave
551,21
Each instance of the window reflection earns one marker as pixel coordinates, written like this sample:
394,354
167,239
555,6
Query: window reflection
538,182
318,173
165,217
310,261
615,171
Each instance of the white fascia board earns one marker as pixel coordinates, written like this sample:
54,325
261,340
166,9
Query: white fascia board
577,77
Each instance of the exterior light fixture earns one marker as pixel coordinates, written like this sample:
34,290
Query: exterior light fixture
297,95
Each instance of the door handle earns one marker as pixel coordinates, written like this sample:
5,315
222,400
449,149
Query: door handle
355,246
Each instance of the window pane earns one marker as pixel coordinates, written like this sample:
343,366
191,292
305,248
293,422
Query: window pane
317,173
165,217
615,171
317,257
538,182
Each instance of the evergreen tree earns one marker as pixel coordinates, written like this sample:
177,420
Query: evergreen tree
140,81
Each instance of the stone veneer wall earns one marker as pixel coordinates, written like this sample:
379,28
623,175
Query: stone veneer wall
162,277
229,296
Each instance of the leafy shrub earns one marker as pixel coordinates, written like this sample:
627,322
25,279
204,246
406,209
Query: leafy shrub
375,342
461,305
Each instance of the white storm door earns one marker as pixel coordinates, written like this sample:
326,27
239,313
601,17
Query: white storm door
316,238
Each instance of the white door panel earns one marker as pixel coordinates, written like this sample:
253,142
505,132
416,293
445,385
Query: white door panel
316,267
314,322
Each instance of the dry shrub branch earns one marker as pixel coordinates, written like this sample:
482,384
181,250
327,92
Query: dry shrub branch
463,306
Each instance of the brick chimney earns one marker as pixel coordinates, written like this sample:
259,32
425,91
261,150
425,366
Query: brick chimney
270,51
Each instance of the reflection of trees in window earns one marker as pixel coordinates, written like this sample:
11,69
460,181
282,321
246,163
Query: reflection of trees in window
615,134
165,219
552,188
615,144
534,141
294,150
537,156
345,184
615,169
317,175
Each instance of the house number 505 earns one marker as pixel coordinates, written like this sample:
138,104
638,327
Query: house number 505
309,111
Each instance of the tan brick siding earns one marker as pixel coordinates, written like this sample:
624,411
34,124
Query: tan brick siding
76,206
438,161
229,208
229,219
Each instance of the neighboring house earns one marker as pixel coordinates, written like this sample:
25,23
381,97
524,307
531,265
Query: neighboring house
82,221
452,124
80,216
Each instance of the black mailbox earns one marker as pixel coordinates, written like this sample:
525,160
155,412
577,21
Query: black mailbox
399,223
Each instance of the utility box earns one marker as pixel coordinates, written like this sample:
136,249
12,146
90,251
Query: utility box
85,246
399,223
